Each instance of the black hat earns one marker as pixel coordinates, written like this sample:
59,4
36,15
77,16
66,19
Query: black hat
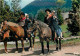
48,10
22,13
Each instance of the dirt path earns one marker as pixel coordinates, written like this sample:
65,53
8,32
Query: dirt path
66,51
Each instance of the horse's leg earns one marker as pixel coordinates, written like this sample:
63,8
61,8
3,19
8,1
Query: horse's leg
5,45
30,43
56,44
60,43
33,41
42,45
16,46
48,45
22,41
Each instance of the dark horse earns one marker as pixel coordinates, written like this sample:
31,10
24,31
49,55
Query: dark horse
18,33
44,34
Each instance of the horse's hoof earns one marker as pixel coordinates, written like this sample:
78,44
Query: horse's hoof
41,54
60,49
50,53
30,49
6,52
16,52
54,52
23,52
57,49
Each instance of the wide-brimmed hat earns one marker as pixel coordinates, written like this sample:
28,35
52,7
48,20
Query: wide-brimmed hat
22,13
48,10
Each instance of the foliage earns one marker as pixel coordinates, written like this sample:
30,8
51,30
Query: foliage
75,5
59,15
41,15
74,26
31,16
15,4
7,14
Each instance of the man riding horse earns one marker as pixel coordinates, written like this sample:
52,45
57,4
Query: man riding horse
16,31
52,21
48,21
23,22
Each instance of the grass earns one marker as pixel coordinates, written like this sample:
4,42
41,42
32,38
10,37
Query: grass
66,33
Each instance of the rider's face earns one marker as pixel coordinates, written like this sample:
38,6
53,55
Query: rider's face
47,12
21,16
52,13
27,16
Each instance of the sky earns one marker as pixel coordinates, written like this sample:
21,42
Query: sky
23,2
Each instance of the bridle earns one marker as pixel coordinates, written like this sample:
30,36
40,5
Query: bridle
6,29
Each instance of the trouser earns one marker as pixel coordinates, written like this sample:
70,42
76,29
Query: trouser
25,31
59,33
53,32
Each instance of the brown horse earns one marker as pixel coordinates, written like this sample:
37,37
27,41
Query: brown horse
18,33
44,34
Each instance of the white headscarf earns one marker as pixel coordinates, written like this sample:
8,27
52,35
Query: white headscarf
26,14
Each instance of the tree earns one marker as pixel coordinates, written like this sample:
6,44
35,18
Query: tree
74,26
15,4
7,14
59,15
41,15
1,3
31,16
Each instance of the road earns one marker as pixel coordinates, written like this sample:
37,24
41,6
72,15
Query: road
66,51
73,50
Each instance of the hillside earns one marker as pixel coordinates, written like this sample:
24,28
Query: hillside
36,5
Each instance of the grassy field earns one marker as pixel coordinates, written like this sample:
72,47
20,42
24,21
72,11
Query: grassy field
66,33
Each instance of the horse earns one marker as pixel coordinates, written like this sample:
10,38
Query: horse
17,31
45,34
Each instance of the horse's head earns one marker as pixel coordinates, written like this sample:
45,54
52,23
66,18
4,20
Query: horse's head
36,23
4,28
32,27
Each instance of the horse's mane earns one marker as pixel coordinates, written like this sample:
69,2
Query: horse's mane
12,24
42,24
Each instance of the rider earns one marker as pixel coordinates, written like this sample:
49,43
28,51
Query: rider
48,20
57,28
27,21
21,22
22,19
